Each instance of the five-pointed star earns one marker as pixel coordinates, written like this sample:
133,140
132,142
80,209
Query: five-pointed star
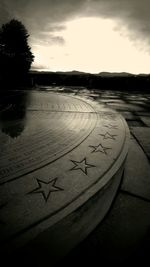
100,148
110,126
81,165
45,188
109,136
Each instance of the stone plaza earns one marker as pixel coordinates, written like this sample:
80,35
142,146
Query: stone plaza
74,174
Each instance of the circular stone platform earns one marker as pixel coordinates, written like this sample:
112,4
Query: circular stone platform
61,161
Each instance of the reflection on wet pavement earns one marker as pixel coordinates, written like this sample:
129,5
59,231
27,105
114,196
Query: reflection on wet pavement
13,113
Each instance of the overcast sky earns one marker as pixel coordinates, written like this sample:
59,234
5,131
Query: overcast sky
85,35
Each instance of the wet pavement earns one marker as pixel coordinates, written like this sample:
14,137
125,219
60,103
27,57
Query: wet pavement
123,237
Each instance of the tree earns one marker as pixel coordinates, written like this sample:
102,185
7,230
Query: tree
15,54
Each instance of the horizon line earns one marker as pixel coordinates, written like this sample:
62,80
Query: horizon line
84,72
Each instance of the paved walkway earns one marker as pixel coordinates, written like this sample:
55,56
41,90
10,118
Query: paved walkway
123,237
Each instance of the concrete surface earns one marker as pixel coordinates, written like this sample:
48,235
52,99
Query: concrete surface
61,154
137,172
123,236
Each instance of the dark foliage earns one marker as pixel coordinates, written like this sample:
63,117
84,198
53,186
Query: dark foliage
15,54
124,83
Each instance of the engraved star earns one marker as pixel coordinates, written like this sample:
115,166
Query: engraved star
46,188
100,148
81,165
110,126
109,136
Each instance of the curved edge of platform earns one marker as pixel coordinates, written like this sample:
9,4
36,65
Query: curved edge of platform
77,220
55,242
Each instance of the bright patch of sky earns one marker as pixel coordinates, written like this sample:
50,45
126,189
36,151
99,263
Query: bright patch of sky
91,45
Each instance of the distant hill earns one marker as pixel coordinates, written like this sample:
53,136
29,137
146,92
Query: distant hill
73,72
115,74
101,74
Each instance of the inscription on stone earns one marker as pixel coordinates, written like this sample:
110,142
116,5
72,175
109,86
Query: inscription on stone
62,150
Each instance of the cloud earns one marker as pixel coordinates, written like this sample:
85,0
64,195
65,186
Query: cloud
47,39
43,18
4,13
49,15
38,14
131,14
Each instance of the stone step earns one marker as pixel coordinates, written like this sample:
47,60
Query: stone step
59,173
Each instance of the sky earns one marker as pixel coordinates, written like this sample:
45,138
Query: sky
85,35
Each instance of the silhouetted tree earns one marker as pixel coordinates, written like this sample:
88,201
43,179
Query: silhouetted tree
15,54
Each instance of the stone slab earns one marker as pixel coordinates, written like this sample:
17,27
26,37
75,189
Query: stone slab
112,101
128,115
57,152
126,107
146,120
137,172
120,236
142,134
144,113
135,123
